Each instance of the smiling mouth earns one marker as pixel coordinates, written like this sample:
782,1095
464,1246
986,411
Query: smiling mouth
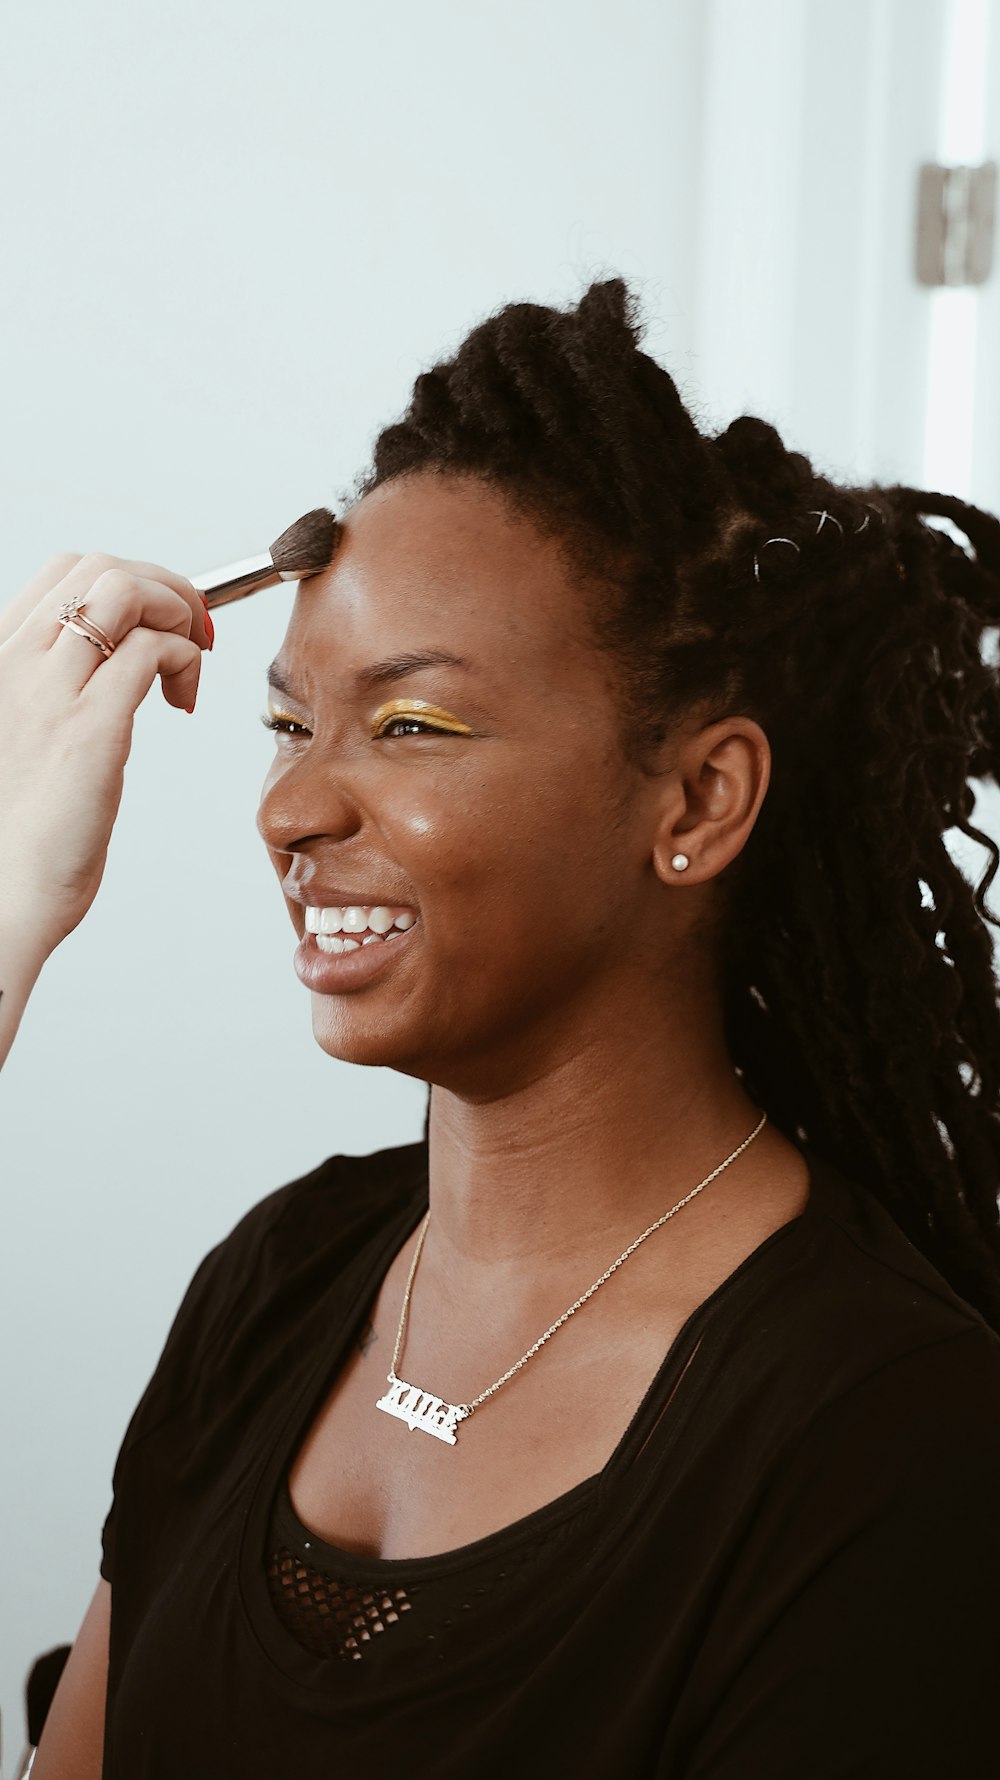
321,960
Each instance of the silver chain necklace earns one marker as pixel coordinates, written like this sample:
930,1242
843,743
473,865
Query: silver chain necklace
421,1409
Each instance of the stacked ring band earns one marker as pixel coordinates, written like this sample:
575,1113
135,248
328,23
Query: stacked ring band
70,614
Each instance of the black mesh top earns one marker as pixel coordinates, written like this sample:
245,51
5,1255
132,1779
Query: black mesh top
788,1567
338,1604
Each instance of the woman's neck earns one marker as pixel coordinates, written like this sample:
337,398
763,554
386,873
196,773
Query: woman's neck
597,1143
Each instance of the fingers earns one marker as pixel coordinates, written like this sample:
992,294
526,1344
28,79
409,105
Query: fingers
124,678
162,611
119,603
96,577
16,611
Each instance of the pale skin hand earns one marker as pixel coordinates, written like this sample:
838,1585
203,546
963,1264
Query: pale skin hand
65,735
66,718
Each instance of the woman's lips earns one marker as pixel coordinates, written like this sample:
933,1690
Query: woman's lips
328,973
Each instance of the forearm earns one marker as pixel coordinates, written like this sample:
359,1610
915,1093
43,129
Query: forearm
22,956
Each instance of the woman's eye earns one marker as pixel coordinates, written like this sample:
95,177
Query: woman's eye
284,724
410,723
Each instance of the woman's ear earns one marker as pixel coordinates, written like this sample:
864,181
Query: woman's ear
711,799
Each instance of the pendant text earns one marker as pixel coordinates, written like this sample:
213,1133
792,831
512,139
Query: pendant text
419,1409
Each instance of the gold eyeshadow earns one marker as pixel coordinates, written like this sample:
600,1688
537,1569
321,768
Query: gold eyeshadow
418,707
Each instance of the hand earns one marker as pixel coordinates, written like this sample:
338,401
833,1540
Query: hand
66,716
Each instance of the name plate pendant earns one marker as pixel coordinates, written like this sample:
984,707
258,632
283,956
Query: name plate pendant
420,1409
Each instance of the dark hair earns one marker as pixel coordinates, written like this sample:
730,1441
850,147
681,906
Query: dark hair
861,1002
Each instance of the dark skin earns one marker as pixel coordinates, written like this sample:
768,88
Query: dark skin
561,994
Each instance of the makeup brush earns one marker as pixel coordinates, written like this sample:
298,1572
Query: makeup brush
305,548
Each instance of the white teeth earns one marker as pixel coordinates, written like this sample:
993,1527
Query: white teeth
337,942
375,923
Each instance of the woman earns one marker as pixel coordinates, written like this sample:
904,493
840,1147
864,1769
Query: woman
683,1317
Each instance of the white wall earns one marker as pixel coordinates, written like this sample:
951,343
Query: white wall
235,235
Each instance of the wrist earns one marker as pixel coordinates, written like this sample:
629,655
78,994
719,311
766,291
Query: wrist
24,946
23,952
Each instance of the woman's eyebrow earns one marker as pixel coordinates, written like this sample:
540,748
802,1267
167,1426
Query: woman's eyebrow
380,673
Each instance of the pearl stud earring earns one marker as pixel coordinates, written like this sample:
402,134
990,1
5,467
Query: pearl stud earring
680,862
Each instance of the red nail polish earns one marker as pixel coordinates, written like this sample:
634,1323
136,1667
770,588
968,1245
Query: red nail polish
189,709
210,627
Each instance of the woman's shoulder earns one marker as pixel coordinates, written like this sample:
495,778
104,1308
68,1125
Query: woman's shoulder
866,1267
306,1231
283,1252
845,1307
337,1205
314,1228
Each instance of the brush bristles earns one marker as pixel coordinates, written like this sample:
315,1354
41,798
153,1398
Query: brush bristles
308,545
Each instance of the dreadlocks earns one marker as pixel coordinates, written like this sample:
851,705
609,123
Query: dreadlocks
860,997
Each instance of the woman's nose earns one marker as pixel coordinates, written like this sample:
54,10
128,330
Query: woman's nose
298,802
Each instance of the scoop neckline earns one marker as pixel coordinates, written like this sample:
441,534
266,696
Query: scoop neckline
703,1329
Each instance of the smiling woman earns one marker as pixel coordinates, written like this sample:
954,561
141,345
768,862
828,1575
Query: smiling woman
697,1261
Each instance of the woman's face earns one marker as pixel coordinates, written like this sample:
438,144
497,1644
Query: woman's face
507,822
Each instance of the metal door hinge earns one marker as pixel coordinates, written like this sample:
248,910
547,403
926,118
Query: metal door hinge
956,214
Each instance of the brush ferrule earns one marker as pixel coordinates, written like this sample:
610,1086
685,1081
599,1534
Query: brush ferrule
238,577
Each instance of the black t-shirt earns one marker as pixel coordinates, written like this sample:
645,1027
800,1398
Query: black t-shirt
788,1569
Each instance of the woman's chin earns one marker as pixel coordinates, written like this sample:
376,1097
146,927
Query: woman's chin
352,1040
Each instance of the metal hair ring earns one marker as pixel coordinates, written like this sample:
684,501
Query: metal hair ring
756,564
822,514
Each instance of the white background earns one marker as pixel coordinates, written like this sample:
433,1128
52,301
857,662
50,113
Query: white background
233,233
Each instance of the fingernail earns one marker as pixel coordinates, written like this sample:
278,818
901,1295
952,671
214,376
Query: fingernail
210,627
189,709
